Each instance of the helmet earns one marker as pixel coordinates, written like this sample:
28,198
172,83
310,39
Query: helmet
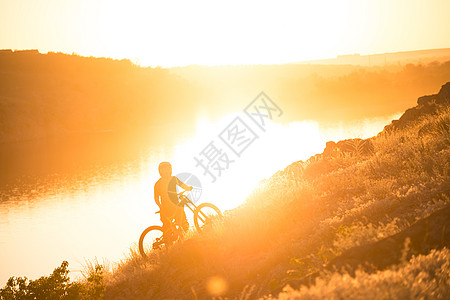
165,165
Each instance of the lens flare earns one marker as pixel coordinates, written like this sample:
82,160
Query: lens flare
216,286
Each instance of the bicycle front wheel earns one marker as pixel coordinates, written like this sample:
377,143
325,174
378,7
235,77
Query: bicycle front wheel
205,214
151,238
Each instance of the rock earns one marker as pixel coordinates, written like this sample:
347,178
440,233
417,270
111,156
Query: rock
353,147
425,100
444,94
426,105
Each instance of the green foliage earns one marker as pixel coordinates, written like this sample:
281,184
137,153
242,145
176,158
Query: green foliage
55,286
93,287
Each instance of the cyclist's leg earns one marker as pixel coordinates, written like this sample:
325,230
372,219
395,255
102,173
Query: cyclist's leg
167,227
180,218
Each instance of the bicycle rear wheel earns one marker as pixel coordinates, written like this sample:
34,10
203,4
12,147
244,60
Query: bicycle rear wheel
151,238
205,214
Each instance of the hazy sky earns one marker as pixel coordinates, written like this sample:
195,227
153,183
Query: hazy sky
172,33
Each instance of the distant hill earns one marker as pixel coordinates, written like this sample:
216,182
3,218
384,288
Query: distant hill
55,94
328,93
384,59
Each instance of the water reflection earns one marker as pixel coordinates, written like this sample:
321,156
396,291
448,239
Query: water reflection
67,200
83,199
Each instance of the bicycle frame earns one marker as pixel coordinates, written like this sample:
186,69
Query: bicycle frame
189,204
199,215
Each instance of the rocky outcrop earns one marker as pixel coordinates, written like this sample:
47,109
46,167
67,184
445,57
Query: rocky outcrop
426,105
353,147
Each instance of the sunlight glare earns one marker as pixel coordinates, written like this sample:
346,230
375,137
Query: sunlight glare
273,150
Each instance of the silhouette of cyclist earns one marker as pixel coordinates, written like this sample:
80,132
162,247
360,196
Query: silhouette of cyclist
167,200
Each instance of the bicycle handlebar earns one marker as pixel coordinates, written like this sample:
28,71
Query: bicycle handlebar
184,202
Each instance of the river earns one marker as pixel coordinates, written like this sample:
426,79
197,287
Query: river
66,200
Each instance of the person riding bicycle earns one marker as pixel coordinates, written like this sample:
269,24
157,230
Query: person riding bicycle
167,200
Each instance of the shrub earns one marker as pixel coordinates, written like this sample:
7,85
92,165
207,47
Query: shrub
55,286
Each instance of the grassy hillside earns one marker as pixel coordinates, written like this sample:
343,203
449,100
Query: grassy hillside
299,226
381,203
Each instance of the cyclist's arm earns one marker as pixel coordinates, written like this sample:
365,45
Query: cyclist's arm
156,195
183,185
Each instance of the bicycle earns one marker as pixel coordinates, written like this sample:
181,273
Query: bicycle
152,238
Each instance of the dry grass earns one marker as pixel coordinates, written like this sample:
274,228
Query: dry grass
423,277
302,217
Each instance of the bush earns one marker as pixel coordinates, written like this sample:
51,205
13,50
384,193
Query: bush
55,286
